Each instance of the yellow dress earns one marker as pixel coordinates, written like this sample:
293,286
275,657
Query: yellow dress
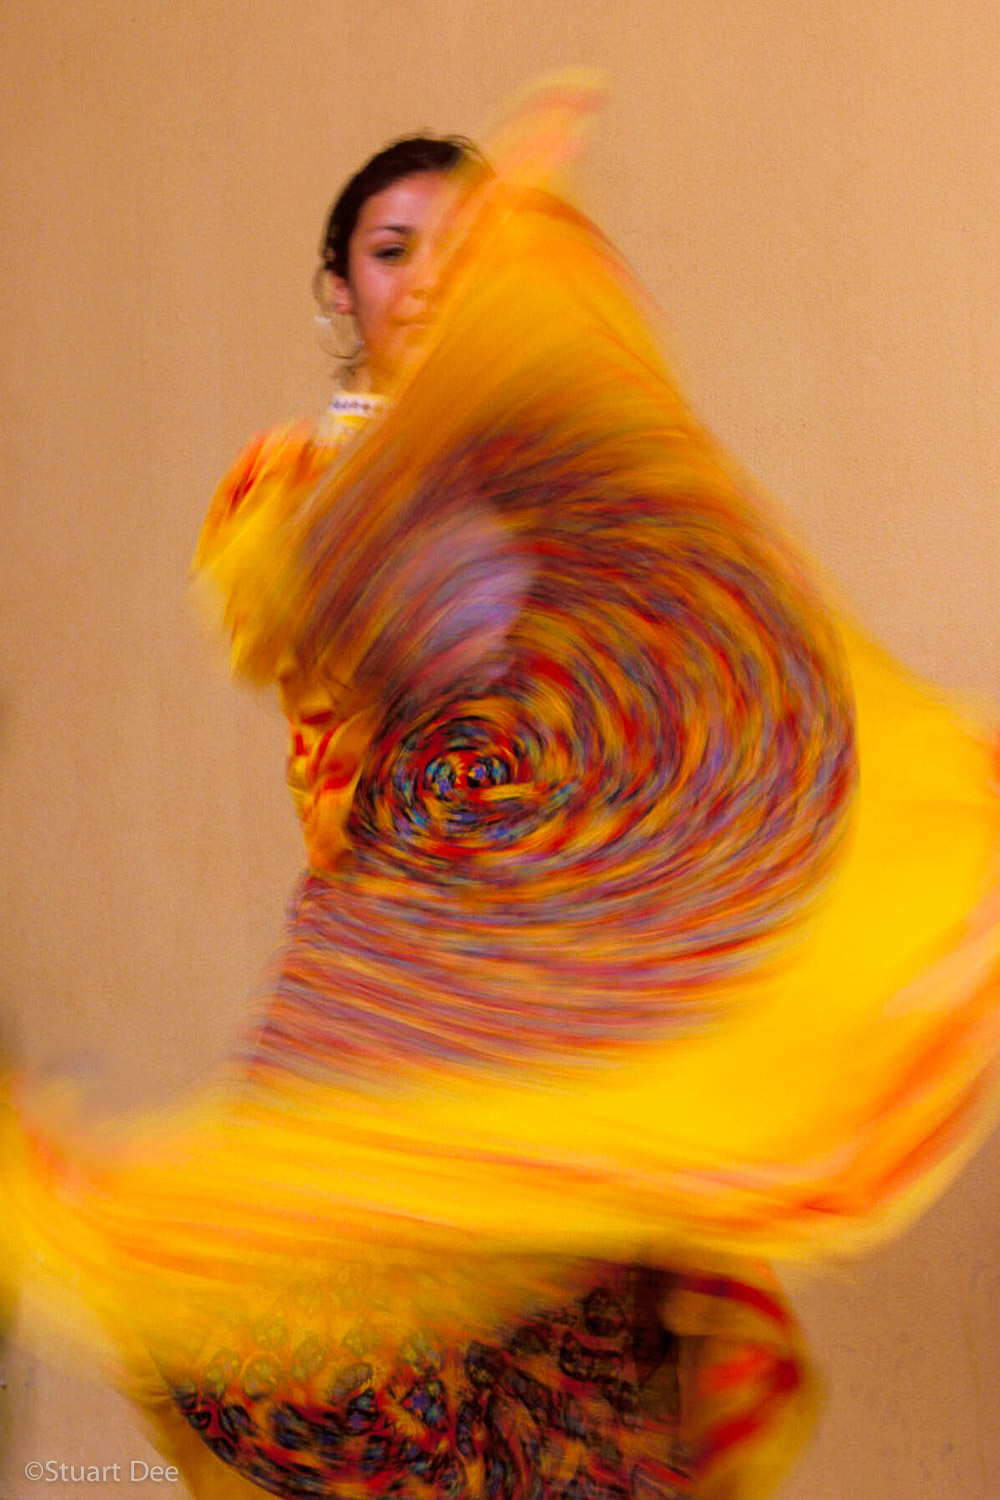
653,914
675,1381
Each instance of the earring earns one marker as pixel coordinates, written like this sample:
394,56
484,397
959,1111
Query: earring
323,324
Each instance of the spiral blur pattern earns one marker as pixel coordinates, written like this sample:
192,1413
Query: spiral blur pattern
581,838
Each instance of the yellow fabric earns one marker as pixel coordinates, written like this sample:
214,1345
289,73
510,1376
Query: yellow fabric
841,1075
851,1073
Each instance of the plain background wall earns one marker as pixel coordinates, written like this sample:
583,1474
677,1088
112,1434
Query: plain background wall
809,187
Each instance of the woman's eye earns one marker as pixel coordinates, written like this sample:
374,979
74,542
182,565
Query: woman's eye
392,252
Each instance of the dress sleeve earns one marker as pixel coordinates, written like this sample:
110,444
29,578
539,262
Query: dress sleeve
245,550
240,553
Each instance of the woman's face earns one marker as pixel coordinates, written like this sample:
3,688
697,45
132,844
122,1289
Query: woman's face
385,290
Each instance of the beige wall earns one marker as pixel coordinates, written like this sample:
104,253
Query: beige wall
811,190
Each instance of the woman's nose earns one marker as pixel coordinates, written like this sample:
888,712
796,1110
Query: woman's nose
416,290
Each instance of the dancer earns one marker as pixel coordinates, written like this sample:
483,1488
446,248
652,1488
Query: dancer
602,963
607,1386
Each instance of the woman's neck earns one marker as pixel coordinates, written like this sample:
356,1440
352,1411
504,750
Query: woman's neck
363,380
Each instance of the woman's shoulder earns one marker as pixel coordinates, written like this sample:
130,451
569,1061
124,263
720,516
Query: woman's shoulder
288,456
278,453
274,475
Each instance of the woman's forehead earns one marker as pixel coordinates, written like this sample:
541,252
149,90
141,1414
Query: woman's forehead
402,206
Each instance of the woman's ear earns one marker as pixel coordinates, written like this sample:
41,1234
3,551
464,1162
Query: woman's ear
339,293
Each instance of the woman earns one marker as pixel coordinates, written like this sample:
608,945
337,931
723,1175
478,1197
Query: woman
601,968
595,1391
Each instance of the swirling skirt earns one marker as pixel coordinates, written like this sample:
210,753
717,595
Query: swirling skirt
601,1396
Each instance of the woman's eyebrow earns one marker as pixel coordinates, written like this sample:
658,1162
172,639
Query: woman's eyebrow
392,228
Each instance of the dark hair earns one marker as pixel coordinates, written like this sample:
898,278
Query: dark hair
404,158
